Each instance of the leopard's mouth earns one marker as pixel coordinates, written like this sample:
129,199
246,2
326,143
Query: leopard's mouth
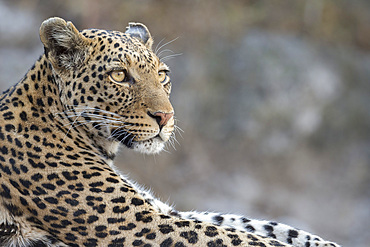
124,137
149,146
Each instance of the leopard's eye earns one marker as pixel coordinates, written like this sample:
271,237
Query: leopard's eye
118,76
162,75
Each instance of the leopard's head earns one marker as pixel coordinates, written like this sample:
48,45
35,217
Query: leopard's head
111,84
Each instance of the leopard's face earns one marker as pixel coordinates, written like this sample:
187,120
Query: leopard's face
114,86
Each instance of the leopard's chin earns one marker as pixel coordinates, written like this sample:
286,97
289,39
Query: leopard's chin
150,146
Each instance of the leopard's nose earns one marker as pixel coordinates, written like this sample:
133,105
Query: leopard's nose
161,118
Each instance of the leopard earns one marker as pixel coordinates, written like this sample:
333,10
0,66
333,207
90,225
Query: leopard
90,93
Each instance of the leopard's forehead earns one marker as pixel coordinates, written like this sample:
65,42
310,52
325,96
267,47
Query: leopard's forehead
109,36
116,44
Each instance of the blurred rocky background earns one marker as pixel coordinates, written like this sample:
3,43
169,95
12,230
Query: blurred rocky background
273,98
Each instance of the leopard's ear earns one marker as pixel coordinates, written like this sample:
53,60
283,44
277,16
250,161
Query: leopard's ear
141,32
64,45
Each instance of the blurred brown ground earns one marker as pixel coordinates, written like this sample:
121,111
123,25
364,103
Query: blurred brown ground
273,98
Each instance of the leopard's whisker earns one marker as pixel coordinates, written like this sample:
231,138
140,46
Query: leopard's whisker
81,122
85,108
166,58
169,42
118,130
164,51
178,130
70,127
166,151
92,115
156,48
